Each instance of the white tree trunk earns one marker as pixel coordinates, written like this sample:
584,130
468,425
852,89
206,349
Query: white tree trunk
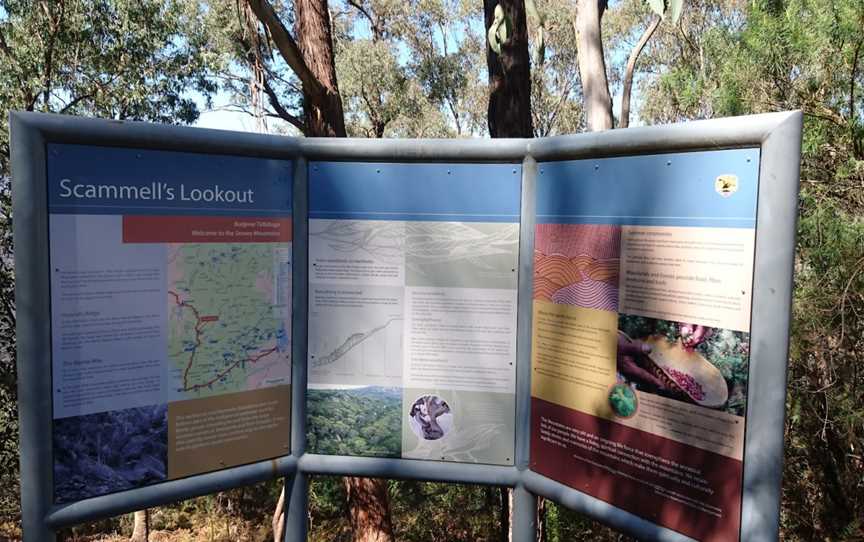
624,119
279,518
141,530
510,514
592,66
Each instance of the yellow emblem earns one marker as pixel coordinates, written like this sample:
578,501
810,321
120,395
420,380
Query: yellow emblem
726,185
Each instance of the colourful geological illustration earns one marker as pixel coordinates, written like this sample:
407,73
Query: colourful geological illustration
577,264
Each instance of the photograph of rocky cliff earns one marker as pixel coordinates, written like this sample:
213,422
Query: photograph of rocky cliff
108,452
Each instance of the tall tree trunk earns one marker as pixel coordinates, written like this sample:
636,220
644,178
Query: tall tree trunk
592,66
368,509
504,508
509,113
141,529
368,502
311,57
624,120
541,519
324,115
279,518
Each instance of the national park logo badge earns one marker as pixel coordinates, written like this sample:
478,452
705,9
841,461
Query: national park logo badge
726,185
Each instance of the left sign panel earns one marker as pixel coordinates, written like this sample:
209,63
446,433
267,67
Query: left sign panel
170,314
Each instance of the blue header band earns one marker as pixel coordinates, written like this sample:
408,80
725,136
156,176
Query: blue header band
107,180
652,190
422,192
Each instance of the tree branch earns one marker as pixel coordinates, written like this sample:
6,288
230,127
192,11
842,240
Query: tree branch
624,121
854,74
857,145
287,47
75,102
280,110
376,28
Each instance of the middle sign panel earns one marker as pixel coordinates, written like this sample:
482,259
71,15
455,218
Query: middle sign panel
412,310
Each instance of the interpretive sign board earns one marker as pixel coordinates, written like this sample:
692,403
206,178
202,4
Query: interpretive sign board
599,319
412,310
170,314
641,333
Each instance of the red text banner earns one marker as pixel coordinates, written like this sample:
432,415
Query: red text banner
205,229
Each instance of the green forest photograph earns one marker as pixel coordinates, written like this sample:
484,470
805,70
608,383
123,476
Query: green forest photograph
361,421
460,70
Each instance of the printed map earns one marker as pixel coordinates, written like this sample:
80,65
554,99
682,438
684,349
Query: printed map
229,316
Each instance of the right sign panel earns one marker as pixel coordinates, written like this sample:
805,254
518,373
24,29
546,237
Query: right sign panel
643,272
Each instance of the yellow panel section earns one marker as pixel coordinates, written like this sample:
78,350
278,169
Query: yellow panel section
573,356
227,430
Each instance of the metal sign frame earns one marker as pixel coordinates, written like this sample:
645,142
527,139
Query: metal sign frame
777,135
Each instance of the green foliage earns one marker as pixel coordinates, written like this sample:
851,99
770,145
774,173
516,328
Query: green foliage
772,55
823,490
373,85
418,71
556,98
433,511
120,59
564,525
242,513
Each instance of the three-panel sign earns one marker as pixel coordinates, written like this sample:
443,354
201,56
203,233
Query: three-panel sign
171,277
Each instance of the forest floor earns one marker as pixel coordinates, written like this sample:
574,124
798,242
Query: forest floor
206,532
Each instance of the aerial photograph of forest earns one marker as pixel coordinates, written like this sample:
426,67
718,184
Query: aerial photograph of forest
360,421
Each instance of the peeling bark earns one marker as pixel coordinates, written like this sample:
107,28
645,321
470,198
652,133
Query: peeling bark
324,115
368,509
509,113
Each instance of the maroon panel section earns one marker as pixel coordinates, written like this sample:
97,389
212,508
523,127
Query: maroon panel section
680,487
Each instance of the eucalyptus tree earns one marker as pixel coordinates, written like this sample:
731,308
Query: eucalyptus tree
310,55
508,62
556,92
683,64
427,55
803,55
384,94
448,57
592,62
119,59
733,57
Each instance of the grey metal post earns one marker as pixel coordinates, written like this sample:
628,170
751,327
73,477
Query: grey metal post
774,263
524,520
297,485
33,331
296,505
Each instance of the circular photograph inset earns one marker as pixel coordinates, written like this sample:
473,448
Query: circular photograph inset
623,400
430,417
